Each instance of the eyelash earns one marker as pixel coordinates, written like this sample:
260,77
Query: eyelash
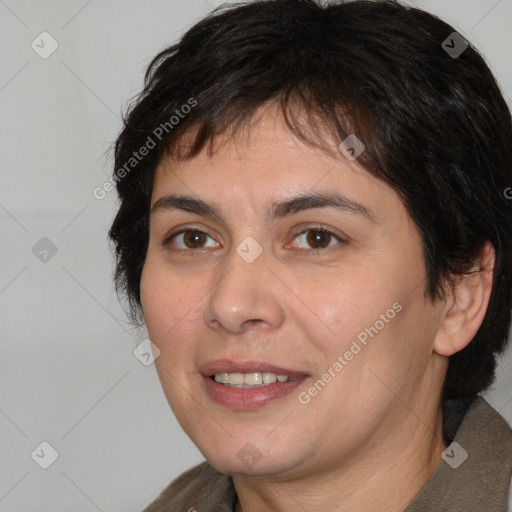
322,229
318,229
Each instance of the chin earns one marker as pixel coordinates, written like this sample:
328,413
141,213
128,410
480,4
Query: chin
250,461
236,468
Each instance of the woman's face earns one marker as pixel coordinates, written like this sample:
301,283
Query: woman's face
243,276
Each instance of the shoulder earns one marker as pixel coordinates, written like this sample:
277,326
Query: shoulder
483,419
475,470
199,488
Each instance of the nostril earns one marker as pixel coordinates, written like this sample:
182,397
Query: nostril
253,321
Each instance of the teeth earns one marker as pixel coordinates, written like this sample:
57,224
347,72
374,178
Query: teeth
249,380
269,378
252,379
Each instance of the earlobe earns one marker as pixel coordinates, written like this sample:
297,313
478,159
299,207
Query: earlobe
465,308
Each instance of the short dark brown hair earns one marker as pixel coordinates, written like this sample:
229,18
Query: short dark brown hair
435,126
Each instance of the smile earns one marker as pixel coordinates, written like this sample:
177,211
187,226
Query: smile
248,385
249,380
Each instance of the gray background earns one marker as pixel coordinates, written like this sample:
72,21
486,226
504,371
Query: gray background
68,373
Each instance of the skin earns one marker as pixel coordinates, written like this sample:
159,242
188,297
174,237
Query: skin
372,437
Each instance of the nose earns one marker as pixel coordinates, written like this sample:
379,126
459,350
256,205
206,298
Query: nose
246,295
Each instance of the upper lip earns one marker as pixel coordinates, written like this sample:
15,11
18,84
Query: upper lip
227,366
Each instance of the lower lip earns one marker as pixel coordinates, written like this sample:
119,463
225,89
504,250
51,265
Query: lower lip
249,398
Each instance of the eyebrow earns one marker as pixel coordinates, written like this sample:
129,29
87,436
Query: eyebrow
278,210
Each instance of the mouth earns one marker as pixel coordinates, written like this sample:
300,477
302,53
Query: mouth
250,380
248,385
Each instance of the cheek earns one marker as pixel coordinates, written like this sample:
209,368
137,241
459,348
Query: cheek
374,335
171,307
349,307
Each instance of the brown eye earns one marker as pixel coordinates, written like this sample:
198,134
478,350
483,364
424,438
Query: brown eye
318,239
192,239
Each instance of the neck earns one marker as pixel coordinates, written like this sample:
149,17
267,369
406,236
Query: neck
385,480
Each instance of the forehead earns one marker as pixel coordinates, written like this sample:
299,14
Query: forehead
264,163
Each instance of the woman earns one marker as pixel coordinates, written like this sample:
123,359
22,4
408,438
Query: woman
314,228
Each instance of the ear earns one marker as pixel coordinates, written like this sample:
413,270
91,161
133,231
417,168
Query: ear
465,308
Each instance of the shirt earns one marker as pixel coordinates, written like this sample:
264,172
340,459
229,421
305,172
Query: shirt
474,474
